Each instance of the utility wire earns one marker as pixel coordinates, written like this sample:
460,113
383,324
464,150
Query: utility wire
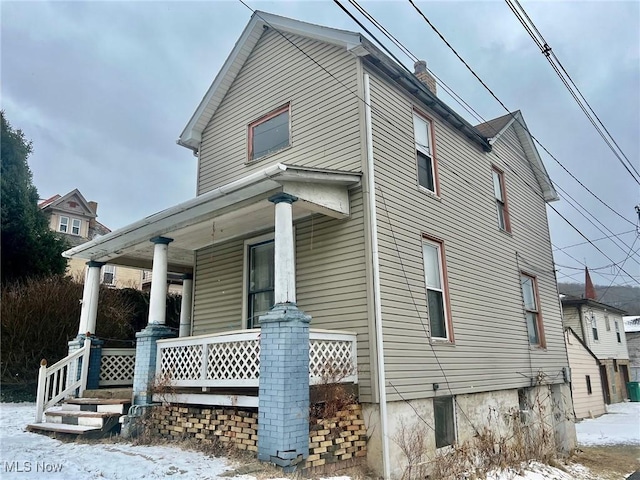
406,135
433,27
595,240
522,16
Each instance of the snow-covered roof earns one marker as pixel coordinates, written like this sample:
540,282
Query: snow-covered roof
631,323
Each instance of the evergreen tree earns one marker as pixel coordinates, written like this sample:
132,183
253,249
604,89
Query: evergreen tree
29,248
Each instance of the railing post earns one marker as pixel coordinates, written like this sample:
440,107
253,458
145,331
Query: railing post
85,365
42,380
205,361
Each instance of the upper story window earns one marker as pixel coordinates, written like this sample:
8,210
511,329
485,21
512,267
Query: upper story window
435,279
607,323
500,193
427,171
617,331
269,133
594,326
533,315
64,225
75,226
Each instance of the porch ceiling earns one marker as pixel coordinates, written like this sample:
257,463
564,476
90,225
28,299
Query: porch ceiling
233,210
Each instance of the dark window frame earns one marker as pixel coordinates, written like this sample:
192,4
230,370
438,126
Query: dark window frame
588,380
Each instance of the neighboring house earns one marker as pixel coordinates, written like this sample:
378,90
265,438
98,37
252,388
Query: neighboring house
601,329
586,386
632,334
75,218
333,182
174,282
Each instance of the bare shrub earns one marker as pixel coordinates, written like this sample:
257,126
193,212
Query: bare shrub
332,396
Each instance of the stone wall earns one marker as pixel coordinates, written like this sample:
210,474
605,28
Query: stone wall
334,443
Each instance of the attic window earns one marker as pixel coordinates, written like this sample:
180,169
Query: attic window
73,204
269,133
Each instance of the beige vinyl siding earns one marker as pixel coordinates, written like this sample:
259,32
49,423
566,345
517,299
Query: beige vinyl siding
583,364
325,131
330,281
491,349
571,318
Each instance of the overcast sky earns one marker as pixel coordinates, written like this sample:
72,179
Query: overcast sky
103,89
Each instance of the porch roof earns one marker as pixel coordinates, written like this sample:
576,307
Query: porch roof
235,209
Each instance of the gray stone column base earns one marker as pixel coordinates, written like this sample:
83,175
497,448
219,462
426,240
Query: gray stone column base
145,368
283,404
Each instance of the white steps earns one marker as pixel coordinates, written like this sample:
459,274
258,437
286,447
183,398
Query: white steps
96,417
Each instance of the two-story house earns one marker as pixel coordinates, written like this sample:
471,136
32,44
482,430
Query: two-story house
601,329
75,218
632,334
337,191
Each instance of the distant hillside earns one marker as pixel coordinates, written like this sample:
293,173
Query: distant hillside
624,298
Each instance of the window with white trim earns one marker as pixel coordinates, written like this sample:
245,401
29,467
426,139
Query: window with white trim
594,326
533,316
109,274
75,226
607,323
269,133
64,225
617,325
422,130
432,254
500,194
445,427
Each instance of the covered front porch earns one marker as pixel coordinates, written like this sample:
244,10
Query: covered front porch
242,366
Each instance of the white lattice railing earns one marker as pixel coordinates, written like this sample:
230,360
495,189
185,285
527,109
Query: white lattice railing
62,379
233,359
117,366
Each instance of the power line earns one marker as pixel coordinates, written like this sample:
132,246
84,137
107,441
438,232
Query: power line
566,79
405,133
595,240
433,27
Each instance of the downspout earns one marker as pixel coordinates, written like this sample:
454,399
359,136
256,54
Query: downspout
376,282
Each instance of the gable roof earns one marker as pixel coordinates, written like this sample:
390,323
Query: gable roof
351,41
494,130
58,201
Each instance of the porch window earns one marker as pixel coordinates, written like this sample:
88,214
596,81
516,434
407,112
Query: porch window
500,193
269,133
64,225
424,153
432,252
260,287
444,421
533,316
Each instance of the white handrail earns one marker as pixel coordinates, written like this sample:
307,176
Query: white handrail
54,382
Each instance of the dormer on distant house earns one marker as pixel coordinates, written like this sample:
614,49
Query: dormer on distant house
74,217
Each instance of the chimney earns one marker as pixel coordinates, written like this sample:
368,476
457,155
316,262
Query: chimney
94,207
92,221
424,76
589,289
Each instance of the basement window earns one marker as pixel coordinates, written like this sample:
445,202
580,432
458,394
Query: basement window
270,133
444,421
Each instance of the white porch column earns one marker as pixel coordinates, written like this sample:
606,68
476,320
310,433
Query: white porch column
185,306
90,293
158,297
285,268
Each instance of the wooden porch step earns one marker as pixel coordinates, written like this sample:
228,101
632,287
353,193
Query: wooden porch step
47,427
109,393
112,405
73,417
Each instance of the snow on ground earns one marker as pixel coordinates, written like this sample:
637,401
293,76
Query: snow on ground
620,426
26,455
30,455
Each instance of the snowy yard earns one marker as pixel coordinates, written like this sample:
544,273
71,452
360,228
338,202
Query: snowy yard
28,455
